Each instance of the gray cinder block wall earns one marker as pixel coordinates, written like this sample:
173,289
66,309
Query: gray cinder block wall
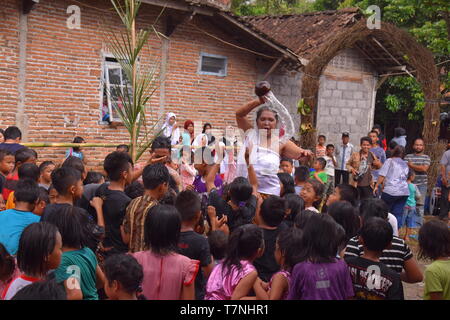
346,100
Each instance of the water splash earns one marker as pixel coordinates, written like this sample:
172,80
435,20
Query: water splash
284,117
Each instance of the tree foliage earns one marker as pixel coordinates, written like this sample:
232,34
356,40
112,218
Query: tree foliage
427,20
134,97
275,7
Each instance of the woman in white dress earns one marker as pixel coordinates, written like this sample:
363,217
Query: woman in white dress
266,145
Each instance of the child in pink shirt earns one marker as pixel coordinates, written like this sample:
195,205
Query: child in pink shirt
167,274
187,170
235,276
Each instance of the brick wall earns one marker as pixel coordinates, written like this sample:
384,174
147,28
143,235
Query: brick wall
9,62
63,75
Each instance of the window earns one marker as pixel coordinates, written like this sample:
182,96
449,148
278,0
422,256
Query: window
114,83
212,64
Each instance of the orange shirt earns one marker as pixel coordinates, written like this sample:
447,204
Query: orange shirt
10,204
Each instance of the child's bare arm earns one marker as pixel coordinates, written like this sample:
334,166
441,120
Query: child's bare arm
333,158
73,289
279,287
188,292
412,273
97,204
100,278
207,269
244,286
260,291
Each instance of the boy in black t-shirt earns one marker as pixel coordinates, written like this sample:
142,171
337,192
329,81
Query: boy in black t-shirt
269,219
119,168
192,244
67,182
373,280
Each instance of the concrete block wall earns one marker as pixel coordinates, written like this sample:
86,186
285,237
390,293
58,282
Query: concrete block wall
345,105
345,98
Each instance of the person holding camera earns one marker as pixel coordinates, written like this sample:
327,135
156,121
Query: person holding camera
361,165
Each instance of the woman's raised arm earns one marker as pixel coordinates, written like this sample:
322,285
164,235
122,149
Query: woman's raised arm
241,113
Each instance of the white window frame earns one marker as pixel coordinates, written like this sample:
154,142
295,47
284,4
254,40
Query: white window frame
106,66
204,54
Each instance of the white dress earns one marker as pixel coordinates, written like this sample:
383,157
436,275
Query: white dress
266,163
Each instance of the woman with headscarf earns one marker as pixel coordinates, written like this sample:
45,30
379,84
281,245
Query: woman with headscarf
170,129
188,134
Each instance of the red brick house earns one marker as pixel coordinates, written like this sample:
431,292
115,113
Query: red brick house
53,67
51,76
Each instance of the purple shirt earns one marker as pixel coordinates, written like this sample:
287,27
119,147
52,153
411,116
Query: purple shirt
200,185
320,281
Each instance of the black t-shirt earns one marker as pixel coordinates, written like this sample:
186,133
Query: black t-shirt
114,207
195,246
235,218
92,230
2,183
267,265
85,200
385,283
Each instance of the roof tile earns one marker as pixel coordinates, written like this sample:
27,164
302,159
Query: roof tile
304,33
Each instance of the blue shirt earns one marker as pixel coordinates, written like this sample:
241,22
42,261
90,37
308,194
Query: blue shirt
12,223
411,202
71,152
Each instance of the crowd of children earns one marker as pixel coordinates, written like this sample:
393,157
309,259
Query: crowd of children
168,230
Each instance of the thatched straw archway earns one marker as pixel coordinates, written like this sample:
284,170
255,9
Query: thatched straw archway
417,56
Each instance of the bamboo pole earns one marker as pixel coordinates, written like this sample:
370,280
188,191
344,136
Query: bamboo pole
97,145
68,145
133,81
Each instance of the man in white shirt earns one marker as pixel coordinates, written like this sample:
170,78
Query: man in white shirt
343,153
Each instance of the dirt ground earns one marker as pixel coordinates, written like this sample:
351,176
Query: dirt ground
414,291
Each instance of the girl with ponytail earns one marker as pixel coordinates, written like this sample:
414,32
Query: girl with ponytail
235,276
